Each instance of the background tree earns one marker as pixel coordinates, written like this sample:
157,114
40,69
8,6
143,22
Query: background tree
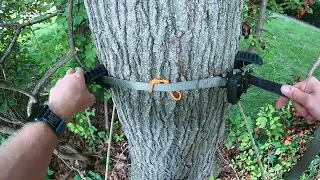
176,40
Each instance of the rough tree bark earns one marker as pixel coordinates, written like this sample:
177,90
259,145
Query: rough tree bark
139,40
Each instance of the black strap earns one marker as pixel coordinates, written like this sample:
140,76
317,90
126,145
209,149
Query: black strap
266,85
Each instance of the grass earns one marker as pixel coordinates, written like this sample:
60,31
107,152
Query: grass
291,51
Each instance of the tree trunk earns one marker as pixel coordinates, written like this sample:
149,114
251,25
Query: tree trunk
176,40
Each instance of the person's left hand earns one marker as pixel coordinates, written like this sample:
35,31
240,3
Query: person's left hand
70,95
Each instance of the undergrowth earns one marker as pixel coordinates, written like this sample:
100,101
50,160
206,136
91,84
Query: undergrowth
280,138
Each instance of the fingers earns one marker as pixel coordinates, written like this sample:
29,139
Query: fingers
308,85
90,99
296,95
281,102
302,111
79,74
70,71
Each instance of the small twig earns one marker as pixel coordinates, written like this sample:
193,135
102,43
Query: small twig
227,162
14,121
89,123
70,167
106,116
76,154
261,19
7,130
30,23
13,41
119,159
263,174
70,33
6,85
3,72
88,118
109,143
314,67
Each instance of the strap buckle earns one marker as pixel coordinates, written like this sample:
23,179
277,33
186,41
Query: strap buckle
238,83
164,81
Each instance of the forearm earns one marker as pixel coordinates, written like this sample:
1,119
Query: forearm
28,153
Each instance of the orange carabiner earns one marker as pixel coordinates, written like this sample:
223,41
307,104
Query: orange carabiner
164,81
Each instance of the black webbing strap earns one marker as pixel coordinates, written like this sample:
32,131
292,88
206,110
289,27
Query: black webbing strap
266,85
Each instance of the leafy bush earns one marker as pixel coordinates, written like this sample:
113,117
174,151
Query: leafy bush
279,152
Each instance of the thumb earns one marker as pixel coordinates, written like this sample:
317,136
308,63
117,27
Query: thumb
296,94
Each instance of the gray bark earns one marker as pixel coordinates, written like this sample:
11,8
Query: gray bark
177,40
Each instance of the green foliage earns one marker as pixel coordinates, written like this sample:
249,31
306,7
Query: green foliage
118,137
3,138
277,157
82,126
49,174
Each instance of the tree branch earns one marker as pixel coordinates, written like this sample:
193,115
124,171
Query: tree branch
315,66
109,143
30,23
70,32
53,69
19,28
5,85
9,48
261,18
10,120
36,21
254,146
62,61
7,130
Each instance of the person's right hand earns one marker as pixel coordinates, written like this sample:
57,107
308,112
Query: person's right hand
306,98
70,95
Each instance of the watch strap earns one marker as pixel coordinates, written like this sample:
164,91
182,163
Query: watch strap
57,124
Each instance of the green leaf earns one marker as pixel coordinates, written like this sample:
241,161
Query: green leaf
50,172
80,128
102,134
77,177
71,127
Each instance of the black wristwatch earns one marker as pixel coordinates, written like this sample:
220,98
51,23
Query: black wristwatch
52,120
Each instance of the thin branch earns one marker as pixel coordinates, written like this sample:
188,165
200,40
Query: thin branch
72,156
5,85
19,28
263,174
261,19
3,72
227,162
70,25
9,48
62,61
109,143
53,69
30,23
36,21
7,130
314,67
106,116
10,120
70,167
119,158
79,155
70,32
